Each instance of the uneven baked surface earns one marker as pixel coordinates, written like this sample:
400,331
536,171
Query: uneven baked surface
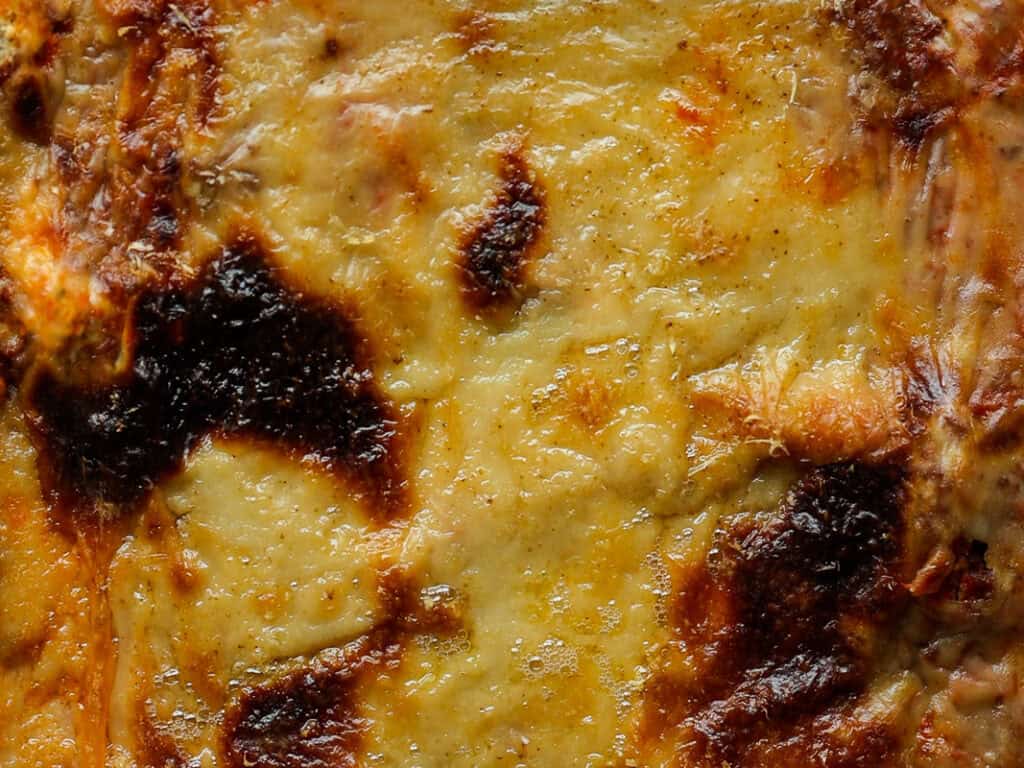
443,383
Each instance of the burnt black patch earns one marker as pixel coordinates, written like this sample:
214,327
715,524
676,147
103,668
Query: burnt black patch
29,110
900,41
971,579
494,255
776,620
911,47
62,25
897,39
238,352
309,717
915,123
12,335
306,719
163,226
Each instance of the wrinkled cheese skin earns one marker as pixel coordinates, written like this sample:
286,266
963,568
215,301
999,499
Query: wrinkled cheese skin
630,383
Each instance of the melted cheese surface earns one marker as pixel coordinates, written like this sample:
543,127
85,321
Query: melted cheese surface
760,250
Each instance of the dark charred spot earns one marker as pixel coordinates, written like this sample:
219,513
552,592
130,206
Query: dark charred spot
59,26
911,47
900,41
971,579
163,224
27,76
12,335
310,718
331,47
162,206
494,254
779,622
29,110
967,578
155,746
412,609
62,25
307,719
237,352
914,124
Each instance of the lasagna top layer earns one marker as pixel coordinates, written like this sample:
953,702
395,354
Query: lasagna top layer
627,383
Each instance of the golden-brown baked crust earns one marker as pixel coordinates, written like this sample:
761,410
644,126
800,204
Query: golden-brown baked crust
511,383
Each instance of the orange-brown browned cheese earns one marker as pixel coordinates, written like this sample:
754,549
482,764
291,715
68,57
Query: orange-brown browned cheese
605,384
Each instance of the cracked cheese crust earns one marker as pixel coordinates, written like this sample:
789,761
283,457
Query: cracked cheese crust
503,383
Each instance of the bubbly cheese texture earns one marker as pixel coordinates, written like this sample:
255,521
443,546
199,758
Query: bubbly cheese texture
628,383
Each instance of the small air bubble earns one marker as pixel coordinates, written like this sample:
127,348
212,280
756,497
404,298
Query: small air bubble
611,617
662,586
553,657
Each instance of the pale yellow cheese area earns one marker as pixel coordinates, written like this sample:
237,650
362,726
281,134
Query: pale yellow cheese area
260,562
50,650
713,289
655,230
557,456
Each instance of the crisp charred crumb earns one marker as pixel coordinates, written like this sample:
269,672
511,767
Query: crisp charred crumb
494,254
236,352
776,620
915,123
